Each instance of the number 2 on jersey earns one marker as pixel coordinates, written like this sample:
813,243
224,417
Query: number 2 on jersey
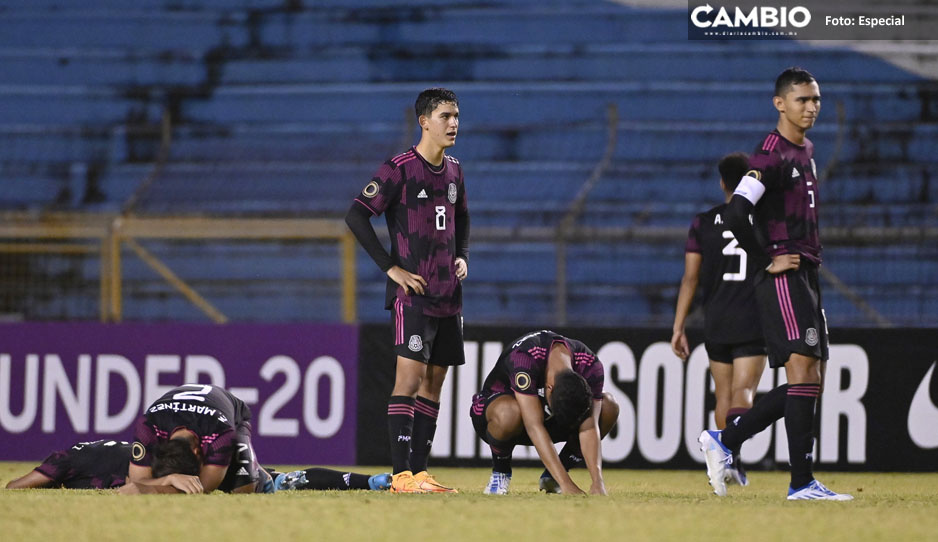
732,249
197,394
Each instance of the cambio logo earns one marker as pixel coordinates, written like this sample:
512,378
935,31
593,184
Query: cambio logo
757,17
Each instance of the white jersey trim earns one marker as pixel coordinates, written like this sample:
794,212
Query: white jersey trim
751,189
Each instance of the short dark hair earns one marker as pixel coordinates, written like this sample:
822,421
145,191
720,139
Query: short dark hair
732,168
571,400
431,98
174,456
794,75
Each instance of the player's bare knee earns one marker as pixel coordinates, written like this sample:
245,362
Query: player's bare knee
609,414
504,418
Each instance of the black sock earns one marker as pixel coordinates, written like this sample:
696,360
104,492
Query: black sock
501,454
318,478
766,411
570,454
799,424
400,429
425,415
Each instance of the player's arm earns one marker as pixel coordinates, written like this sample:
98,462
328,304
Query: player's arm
358,220
32,480
685,297
140,481
212,476
462,236
532,415
748,193
591,447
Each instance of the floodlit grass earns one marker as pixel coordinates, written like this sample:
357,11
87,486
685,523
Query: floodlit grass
643,505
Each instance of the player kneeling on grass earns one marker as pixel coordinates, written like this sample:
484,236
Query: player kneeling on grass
103,464
545,388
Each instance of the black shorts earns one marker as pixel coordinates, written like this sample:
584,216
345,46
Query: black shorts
791,314
481,401
427,339
244,468
726,353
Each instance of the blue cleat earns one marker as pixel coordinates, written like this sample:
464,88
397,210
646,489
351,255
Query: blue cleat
735,474
380,482
815,491
718,458
498,484
290,480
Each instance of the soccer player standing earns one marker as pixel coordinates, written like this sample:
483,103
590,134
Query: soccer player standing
423,196
732,335
781,192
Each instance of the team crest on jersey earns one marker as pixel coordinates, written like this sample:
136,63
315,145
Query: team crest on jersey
755,174
451,193
137,451
415,344
370,190
522,381
810,337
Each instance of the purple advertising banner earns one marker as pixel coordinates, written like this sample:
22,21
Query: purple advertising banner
64,383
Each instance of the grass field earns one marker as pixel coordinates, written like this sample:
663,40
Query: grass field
642,505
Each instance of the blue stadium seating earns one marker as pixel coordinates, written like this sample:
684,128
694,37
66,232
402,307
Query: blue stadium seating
289,107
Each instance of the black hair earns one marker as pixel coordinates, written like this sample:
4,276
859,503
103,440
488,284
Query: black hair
174,456
431,98
732,169
791,76
571,399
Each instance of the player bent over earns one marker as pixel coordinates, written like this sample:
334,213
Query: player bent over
102,464
545,388
732,334
423,196
206,424
781,192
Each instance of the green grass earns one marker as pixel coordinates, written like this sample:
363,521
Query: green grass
642,505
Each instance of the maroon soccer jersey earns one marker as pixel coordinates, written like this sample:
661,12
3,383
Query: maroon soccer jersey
726,280
210,412
522,368
101,464
421,204
786,215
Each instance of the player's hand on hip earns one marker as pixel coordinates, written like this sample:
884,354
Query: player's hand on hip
462,269
408,281
784,262
185,483
679,345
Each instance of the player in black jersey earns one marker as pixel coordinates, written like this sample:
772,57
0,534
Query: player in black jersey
207,422
732,334
780,191
422,194
102,464
545,388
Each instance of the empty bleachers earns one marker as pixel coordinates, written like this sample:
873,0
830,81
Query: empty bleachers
284,107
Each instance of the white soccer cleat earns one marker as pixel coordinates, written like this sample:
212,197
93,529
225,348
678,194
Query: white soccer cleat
498,484
815,491
718,458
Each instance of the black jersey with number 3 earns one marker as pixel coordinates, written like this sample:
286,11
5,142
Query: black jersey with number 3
726,280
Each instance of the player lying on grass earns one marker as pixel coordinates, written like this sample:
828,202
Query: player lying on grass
545,388
102,464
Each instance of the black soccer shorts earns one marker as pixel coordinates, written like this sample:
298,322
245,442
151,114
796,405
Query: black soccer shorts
726,353
792,318
481,401
244,468
427,339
